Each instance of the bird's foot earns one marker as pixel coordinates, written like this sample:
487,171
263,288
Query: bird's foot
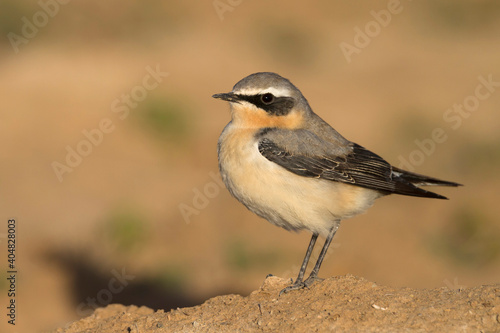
296,286
310,281
301,284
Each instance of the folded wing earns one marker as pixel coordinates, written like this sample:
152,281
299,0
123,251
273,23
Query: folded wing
358,167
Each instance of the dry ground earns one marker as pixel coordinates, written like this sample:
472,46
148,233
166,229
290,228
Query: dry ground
338,304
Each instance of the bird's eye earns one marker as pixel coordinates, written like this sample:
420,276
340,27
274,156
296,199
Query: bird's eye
267,98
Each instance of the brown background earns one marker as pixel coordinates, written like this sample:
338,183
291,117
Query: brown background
119,209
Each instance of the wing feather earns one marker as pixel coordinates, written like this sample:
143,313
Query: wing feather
359,167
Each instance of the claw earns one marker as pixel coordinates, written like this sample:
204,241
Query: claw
295,286
310,281
301,285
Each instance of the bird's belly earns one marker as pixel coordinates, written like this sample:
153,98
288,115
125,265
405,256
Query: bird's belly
283,198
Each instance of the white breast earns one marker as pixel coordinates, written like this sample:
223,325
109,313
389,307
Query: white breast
283,198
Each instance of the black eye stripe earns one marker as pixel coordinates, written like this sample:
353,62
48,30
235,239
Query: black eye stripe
278,106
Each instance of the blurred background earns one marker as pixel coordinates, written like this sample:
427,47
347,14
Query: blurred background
109,133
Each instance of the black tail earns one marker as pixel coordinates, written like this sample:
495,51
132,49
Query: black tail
408,183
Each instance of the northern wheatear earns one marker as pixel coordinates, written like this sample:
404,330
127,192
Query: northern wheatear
287,165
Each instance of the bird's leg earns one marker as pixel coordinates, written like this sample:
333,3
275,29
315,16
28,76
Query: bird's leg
314,273
306,258
298,284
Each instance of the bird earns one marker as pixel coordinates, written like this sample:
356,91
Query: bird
287,165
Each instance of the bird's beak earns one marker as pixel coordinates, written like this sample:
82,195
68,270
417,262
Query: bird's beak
230,97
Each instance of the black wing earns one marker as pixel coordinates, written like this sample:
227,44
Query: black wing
360,167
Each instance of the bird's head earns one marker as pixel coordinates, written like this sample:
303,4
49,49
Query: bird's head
266,100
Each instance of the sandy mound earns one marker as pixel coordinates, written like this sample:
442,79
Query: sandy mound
344,303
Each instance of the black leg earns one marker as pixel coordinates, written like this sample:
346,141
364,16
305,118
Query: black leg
306,258
298,284
314,273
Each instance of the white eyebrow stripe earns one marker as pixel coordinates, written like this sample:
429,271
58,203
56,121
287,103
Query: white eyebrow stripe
254,91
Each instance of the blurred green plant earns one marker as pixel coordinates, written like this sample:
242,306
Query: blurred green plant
11,13
475,155
408,126
172,277
412,124
240,257
237,256
463,15
289,43
125,230
110,20
167,118
469,239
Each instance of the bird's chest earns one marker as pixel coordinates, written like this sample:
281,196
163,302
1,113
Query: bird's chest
243,168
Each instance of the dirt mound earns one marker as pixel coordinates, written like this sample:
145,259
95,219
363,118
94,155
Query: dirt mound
344,303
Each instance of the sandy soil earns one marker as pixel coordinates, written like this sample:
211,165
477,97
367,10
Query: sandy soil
344,303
